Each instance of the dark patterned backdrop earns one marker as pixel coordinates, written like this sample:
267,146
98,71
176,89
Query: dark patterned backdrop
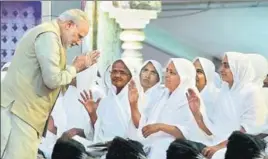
16,18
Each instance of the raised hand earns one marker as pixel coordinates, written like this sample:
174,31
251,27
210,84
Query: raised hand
88,102
193,101
133,94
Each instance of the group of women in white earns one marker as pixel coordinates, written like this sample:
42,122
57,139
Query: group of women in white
187,102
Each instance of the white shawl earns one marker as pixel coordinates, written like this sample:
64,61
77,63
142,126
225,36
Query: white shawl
113,114
238,104
210,92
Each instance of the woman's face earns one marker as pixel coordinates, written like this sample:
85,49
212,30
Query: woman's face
148,76
200,76
120,74
225,71
172,78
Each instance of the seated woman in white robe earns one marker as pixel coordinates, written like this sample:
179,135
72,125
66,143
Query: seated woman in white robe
172,119
205,83
237,105
111,116
143,102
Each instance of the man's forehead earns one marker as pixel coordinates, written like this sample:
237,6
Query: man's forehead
83,28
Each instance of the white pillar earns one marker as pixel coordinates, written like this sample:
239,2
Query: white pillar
132,23
46,10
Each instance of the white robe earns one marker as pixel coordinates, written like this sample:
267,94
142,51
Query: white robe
113,114
174,110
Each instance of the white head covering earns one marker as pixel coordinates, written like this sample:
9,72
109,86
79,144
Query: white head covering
210,92
241,68
260,66
106,82
240,103
113,112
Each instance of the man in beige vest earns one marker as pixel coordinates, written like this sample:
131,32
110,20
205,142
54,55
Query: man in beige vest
37,74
